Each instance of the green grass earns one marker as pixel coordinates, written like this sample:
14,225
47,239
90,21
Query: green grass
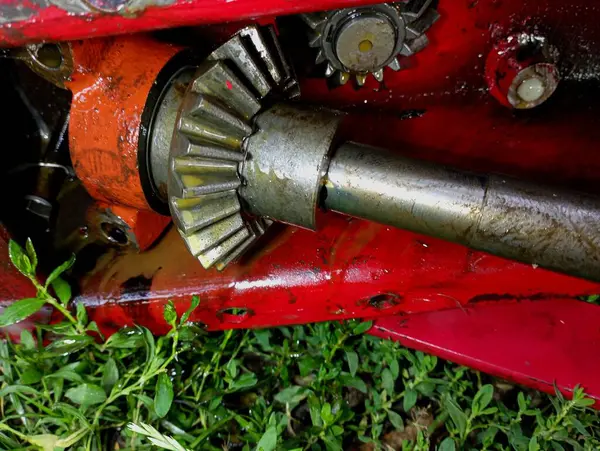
320,387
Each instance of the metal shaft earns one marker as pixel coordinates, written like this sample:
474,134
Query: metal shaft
553,229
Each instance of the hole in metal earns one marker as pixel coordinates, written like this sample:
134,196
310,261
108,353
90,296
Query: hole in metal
114,233
234,315
49,56
383,301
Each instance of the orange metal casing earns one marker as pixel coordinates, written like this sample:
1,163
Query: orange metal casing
110,83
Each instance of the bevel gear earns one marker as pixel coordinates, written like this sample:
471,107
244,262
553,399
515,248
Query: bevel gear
356,42
212,125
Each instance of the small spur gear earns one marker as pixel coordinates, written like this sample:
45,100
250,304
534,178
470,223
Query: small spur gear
356,42
213,123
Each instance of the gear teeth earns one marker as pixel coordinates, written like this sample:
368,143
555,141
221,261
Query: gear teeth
314,20
414,9
329,70
205,210
314,40
361,79
236,51
320,57
214,120
215,79
414,46
395,65
342,78
378,74
191,186
208,238
221,251
218,153
422,24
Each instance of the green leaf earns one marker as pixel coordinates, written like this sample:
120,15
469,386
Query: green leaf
447,445
459,418
189,332
292,395
585,402
533,444
332,443
387,381
110,375
489,411
193,306
268,442
170,314
126,338
395,369
73,438
31,254
66,373
68,344
246,380
19,259
45,441
18,311
82,317
31,375
86,395
314,407
410,399
354,382
71,411
521,401
263,337
62,289
58,271
352,358
361,328
232,368
579,426
326,414
163,395
149,343
27,340
482,398
21,389
396,420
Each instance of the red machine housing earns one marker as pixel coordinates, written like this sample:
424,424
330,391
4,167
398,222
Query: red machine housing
510,319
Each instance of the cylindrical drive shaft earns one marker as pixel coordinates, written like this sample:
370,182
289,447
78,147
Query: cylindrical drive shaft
551,228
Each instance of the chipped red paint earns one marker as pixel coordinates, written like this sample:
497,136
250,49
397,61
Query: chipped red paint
349,269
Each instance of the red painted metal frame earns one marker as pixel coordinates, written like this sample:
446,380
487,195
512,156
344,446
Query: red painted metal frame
439,109
534,343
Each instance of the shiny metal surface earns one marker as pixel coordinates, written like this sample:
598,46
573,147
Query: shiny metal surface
162,128
287,158
512,219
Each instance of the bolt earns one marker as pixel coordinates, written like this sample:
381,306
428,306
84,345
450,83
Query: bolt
531,89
